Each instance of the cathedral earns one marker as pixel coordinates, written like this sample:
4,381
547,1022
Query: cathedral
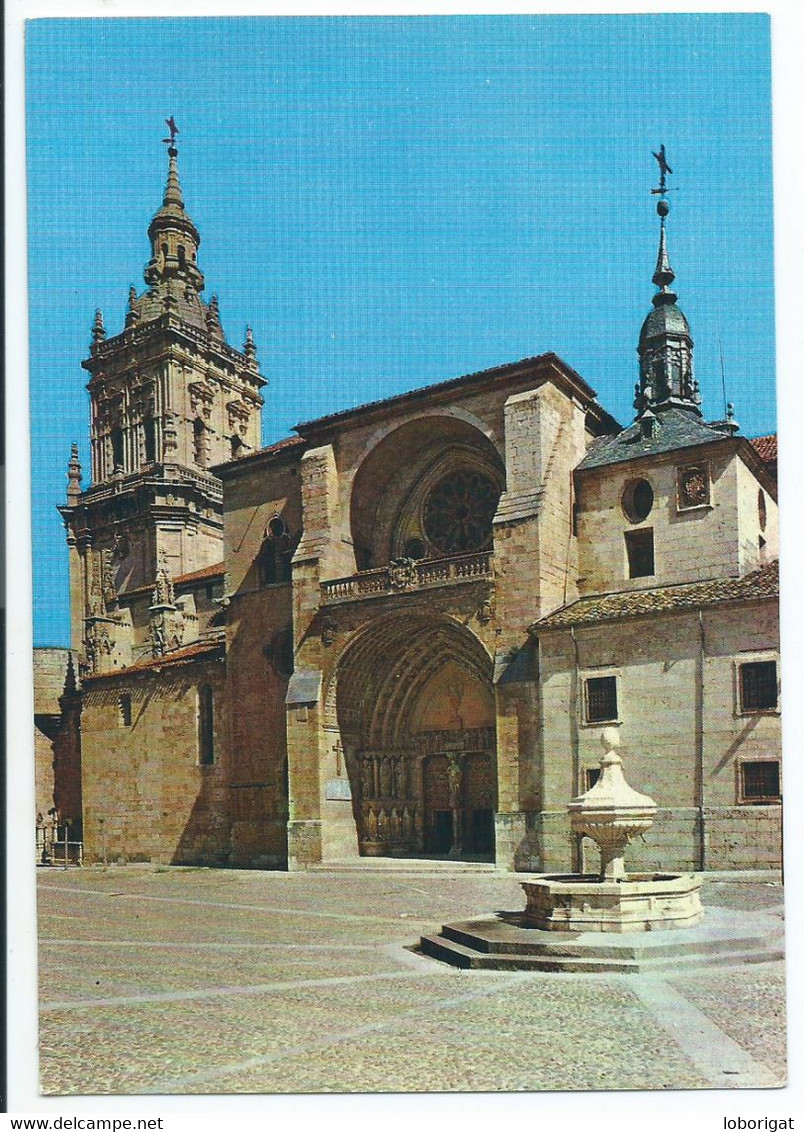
401,631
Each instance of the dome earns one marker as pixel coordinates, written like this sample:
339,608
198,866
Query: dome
664,320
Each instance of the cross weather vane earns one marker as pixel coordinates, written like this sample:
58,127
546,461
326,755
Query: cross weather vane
664,169
174,129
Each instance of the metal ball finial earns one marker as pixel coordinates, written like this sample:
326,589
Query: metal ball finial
663,207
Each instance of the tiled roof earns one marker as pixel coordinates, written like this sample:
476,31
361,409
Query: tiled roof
766,447
283,445
674,428
762,583
179,656
215,571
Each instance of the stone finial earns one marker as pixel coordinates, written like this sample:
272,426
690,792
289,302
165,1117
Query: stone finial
73,474
249,346
132,313
611,812
70,685
98,329
213,316
163,588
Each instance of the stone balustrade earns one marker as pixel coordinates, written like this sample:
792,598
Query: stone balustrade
408,575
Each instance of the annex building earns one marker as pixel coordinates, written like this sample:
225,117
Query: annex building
402,630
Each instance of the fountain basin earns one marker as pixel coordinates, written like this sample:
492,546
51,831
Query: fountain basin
640,902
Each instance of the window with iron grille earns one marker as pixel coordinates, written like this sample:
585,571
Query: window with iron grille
759,781
591,776
601,699
758,686
639,548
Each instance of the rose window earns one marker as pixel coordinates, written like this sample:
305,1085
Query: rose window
458,513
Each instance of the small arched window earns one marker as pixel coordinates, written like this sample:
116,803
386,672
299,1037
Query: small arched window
149,431
199,442
206,726
275,561
182,256
117,448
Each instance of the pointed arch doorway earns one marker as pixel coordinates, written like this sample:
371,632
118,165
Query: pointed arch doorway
415,709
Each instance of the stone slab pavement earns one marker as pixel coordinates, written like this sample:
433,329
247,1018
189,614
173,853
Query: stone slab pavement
159,980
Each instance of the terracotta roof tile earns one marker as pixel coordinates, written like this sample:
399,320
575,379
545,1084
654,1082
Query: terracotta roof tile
214,571
179,656
766,446
763,583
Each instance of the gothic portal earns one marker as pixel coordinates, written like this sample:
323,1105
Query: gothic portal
415,708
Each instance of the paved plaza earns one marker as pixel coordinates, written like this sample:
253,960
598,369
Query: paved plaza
180,980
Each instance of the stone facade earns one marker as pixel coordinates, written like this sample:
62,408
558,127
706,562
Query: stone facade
401,631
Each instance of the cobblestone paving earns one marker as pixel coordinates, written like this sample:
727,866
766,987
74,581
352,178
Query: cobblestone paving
203,981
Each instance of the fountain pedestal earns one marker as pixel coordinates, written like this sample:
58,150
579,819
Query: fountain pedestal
612,814
613,921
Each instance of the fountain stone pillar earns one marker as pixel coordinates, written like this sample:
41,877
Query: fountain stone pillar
612,814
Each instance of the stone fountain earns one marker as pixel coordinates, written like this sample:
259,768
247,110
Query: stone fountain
612,921
611,813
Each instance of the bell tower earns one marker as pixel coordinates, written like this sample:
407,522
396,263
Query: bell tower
170,398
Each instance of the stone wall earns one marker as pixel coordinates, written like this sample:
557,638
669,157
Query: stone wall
689,544
683,735
259,642
145,795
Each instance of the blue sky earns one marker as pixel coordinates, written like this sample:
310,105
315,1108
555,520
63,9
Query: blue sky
395,201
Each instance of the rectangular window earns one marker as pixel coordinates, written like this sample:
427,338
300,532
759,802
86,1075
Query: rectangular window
124,705
206,737
601,699
758,686
639,548
759,781
591,775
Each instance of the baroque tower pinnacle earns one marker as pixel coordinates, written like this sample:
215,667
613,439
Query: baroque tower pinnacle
170,399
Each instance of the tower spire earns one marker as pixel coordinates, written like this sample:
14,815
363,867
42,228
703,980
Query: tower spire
665,344
664,275
174,238
173,193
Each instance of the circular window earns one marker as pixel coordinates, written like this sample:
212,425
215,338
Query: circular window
415,548
763,510
459,511
638,500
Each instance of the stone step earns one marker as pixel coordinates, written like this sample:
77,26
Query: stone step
458,955
493,938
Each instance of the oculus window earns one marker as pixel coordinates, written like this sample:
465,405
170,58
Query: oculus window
637,500
458,512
